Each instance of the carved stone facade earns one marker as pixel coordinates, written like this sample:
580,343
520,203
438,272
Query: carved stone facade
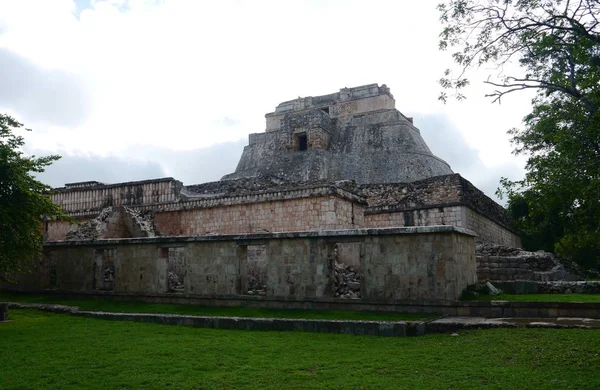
273,205
424,263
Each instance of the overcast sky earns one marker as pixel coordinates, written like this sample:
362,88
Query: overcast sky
136,89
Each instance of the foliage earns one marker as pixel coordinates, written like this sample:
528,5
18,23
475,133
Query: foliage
23,201
557,45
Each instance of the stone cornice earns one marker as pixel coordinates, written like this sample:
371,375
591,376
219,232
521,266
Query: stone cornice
267,236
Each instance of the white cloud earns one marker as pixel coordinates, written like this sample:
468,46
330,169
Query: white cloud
33,92
140,163
447,142
185,75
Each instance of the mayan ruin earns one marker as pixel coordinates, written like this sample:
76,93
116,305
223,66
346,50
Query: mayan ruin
339,197
301,194
342,161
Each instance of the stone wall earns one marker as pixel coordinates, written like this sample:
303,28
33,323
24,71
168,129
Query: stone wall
318,139
274,160
445,200
347,102
222,208
94,196
319,213
451,215
433,267
57,230
439,191
289,209
305,120
404,263
434,191
487,230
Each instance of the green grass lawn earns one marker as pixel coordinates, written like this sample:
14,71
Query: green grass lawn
109,305
58,351
542,297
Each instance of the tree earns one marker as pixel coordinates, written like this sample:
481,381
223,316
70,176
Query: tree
24,201
556,44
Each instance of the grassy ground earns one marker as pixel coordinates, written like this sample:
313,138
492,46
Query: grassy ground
57,351
542,297
143,307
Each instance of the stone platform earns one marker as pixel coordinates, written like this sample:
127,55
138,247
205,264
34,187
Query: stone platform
416,263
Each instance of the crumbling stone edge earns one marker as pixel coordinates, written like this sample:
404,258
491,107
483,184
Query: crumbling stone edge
376,328
380,328
362,232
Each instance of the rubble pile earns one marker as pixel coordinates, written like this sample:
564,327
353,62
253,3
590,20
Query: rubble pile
499,262
569,287
143,222
496,250
93,229
138,224
257,184
234,187
346,281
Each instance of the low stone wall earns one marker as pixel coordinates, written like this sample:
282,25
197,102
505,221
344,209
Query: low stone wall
435,262
557,287
502,263
512,268
484,309
375,328
354,327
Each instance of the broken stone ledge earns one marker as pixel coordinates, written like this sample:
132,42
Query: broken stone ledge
189,201
267,235
88,185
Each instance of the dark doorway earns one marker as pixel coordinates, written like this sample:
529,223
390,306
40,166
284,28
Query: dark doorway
302,142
